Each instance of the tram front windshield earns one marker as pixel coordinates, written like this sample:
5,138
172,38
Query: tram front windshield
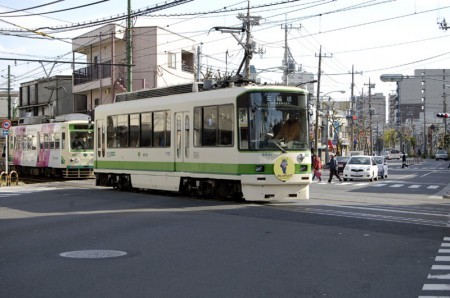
271,120
82,140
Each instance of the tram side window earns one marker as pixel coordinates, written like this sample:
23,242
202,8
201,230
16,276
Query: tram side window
122,131
134,130
161,129
146,130
213,126
111,131
29,142
209,136
57,141
41,141
226,118
197,126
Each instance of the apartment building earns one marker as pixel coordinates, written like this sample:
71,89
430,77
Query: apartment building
159,58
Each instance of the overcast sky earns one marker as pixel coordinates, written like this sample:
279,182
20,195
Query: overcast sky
375,36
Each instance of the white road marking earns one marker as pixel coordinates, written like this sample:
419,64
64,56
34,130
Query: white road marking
436,287
414,186
439,276
440,267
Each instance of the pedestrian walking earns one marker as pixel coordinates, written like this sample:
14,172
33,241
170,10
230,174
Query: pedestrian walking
404,160
317,167
333,169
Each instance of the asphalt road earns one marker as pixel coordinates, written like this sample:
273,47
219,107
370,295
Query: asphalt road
71,239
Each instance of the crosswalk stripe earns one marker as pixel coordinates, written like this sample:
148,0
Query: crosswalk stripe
414,186
397,185
440,267
436,287
444,251
433,186
442,258
439,276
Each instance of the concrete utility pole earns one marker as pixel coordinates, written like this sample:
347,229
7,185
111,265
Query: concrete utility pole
286,50
370,117
129,51
316,126
352,109
9,92
248,44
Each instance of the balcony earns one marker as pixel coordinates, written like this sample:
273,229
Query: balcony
92,73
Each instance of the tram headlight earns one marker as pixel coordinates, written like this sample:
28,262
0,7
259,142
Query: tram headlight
300,157
260,169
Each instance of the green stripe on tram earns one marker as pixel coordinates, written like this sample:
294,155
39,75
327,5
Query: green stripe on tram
213,168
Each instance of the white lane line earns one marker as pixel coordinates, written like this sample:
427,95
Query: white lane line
436,287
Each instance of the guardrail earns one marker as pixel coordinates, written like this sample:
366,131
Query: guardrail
6,178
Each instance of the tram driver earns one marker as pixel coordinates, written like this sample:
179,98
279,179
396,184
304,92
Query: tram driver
290,130
78,143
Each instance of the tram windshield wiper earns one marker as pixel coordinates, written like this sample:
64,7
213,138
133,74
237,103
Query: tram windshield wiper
274,141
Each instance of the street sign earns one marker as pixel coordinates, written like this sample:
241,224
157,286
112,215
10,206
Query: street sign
6,124
5,132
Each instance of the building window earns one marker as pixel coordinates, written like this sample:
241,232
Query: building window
172,60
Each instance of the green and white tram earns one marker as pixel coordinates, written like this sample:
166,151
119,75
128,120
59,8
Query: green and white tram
250,141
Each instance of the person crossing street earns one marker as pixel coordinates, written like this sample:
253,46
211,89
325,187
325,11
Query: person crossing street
333,169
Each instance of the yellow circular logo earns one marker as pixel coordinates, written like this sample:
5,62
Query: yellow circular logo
284,168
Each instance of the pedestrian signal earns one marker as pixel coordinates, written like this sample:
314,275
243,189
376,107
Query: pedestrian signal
442,115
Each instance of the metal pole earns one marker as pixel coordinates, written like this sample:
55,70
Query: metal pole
316,127
9,92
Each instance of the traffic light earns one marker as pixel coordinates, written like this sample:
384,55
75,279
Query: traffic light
442,115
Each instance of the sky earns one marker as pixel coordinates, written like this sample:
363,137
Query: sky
373,37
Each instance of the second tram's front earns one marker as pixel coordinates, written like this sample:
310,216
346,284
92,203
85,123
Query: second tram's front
80,156
273,139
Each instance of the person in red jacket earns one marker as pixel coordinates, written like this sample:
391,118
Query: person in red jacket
317,166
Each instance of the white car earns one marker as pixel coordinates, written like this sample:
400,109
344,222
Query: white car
361,167
441,154
382,166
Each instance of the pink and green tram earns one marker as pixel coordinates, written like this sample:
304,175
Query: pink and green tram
48,149
222,142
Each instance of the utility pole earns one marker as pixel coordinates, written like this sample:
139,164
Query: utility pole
9,92
352,108
370,117
286,50
316,127
248,44
129,51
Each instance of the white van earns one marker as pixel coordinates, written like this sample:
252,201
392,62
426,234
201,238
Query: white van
394,154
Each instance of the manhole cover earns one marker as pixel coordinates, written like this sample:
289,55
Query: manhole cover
93,254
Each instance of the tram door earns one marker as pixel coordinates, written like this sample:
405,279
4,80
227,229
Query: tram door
182,144
101,138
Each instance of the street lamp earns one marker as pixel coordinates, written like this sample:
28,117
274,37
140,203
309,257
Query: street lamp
316,127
